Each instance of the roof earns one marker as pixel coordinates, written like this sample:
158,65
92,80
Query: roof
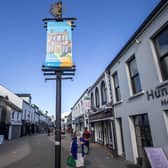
9,103
14,99
23,94
139,31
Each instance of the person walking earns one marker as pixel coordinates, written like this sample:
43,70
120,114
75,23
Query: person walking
77,150
74,146
86,137
71,160
48,131
72,132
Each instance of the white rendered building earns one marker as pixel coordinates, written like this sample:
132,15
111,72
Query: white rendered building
101,117
80,112
10,114
139,80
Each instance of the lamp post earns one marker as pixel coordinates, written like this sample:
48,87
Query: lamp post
60,70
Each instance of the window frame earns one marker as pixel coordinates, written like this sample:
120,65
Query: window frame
18,115
13,115
116,88
132,81
156,47
97,97
92,100
103,90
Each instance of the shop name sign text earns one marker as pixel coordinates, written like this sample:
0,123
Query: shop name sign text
157,94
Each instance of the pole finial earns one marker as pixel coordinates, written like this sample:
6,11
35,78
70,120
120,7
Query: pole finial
56,9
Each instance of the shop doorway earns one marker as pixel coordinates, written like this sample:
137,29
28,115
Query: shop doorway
142,133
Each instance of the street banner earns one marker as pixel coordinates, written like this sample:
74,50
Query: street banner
59,44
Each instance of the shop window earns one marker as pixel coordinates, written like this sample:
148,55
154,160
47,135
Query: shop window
161,43
103,93
116,87
142,133
134,75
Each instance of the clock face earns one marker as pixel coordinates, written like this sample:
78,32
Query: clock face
56,9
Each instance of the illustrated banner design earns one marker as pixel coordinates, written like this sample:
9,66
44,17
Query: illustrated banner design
59,44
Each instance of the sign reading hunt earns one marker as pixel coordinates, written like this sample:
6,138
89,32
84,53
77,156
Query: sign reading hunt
59,44
156,157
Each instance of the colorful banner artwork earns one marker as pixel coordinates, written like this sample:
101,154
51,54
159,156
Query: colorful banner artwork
59,44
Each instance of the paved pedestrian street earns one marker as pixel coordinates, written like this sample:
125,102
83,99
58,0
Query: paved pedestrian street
38,152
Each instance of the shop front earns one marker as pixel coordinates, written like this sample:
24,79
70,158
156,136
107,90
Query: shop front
101,126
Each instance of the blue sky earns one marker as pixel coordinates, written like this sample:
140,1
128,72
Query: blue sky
103,27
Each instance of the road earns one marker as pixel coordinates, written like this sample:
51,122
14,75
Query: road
38,152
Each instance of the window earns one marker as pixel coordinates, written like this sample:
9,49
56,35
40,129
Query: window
165,114
92,101
13,115
161,42
134,76
79,108
17,115
142,132
103,93
116,87
28,115
25,114
97,97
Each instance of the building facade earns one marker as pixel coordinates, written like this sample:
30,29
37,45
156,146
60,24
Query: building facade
101,117
10,114
27,114
80,112
129,101
139,81
36,120
18,117
44,122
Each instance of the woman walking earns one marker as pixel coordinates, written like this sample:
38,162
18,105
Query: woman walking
77,150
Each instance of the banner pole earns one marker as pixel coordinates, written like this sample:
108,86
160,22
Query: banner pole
58,122
56,66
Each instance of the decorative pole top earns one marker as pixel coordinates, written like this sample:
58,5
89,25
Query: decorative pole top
56,9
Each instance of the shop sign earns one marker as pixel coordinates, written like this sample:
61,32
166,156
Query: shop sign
161,93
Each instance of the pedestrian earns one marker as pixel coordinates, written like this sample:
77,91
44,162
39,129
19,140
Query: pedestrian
29,130
77,149
72,132
74,146
48,131
86,137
